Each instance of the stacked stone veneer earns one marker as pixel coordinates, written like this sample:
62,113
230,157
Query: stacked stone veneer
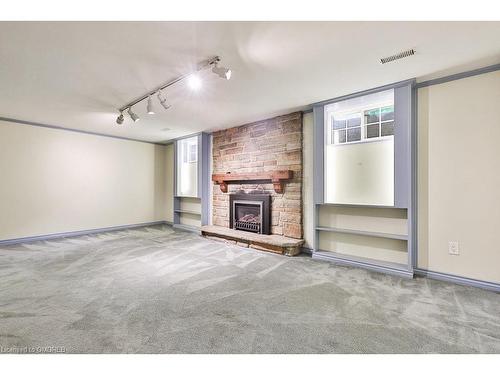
268,145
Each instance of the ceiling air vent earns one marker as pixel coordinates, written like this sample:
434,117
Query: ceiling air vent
398,56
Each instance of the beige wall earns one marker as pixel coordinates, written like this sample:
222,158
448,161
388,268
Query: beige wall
458,175
56,181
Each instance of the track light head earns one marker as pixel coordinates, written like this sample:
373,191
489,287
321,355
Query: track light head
120,118
150,106
132,115
163,101
221,71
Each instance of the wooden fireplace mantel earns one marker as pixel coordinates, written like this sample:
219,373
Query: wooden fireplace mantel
276,177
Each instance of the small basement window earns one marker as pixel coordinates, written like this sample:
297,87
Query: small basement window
379,122
365,122
346,128
190,151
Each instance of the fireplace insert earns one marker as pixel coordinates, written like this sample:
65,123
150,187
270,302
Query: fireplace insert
250,212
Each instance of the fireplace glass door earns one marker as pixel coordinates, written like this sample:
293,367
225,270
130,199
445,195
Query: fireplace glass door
247,215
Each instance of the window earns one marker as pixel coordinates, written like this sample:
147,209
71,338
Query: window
375,123
379,122
193,153
187,167
346,128
190,152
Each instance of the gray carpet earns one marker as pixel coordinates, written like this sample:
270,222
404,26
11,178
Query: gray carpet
159,290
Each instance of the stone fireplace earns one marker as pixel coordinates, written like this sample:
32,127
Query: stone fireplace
250,212
268,157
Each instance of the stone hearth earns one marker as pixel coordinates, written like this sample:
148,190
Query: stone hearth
273,243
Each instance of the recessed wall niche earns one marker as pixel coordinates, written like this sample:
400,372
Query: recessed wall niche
363,177
192,167
359,150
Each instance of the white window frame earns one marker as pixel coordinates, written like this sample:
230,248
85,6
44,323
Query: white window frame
187,155
361,111
379,122
193,156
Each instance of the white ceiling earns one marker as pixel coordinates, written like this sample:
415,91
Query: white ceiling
76,74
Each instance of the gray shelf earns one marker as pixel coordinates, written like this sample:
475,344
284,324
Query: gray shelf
341,205
392,236
188,212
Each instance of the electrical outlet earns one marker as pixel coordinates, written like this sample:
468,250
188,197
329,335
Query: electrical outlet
453,248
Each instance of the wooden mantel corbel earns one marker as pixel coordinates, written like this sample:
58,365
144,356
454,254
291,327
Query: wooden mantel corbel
276,177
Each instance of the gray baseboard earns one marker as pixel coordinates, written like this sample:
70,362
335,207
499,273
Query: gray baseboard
188,228
387,268
306,250
495,287
53,236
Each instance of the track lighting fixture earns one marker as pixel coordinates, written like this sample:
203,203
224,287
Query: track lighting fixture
163,101
120,118
193,81
221,71
150,106
132,115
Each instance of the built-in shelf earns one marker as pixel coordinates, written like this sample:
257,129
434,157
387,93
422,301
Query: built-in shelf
344,205
393,236
188,212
